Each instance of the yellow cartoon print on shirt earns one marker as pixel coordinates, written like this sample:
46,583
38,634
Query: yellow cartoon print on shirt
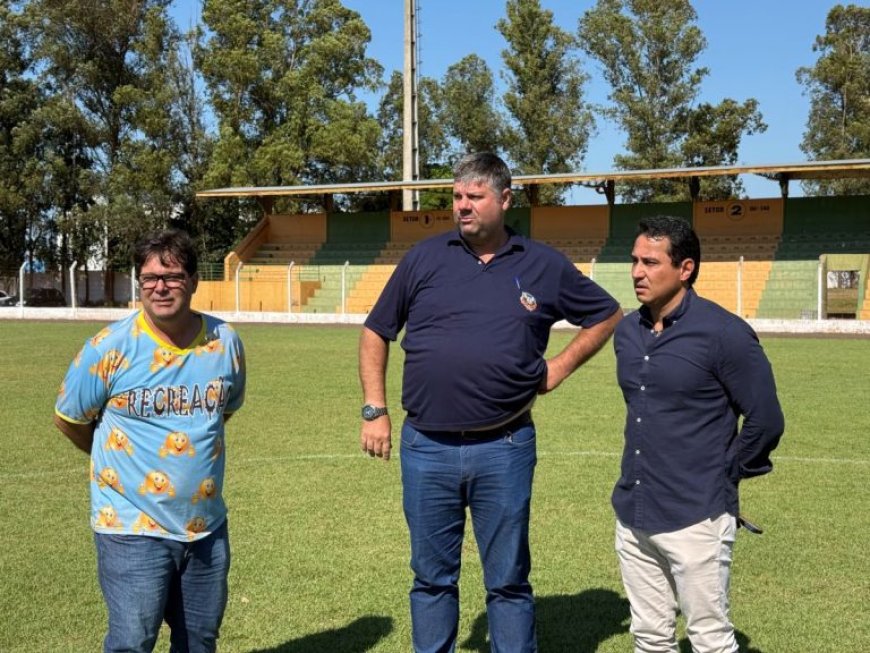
194,526
108,518
213,391
118,441
218,449
119,402
207,490
165,358
211,347
157,482
146,523
102,335
110,363
108,477
177,443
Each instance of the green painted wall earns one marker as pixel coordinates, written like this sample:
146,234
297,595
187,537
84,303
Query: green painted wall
826,215
624,217
358,227
520,220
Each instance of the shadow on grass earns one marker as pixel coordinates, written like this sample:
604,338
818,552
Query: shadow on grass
575,622
356,637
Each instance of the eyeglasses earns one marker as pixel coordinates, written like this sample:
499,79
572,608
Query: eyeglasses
172,281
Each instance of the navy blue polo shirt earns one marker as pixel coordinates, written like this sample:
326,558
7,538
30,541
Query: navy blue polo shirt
475,333
684,391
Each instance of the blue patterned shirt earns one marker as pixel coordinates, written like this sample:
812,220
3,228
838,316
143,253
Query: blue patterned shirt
157,461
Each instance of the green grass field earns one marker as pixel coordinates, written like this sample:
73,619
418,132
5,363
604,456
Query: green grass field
319,542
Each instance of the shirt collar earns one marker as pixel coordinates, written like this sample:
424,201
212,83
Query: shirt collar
672,317
515,242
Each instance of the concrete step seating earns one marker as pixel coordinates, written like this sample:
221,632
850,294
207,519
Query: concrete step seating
326,297
283,253
357,253
578,250
368,288
791,292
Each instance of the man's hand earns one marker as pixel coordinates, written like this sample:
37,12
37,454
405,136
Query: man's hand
375,437
582,347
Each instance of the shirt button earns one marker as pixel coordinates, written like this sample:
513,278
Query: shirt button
637,452
638,420
646,358
643,387
637,482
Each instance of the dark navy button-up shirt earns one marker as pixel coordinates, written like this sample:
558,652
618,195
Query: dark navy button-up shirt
475,333
684,391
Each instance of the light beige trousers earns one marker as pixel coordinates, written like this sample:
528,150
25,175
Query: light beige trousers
687,570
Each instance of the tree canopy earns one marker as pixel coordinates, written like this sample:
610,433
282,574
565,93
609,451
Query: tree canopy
838,126
551,122
111,117
647,51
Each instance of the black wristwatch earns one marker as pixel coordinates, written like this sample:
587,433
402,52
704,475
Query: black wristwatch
370,412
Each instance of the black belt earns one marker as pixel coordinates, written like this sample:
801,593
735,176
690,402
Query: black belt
518,422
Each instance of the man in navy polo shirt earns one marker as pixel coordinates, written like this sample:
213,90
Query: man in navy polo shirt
688,370
477,305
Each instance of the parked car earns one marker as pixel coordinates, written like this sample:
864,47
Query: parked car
43,297
6,299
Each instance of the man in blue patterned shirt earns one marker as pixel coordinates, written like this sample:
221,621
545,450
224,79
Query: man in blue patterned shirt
688,370
147,398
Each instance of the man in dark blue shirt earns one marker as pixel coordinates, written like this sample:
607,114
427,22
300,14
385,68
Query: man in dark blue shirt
477,305
688,370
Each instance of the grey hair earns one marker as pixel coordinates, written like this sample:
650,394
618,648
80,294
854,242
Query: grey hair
483,167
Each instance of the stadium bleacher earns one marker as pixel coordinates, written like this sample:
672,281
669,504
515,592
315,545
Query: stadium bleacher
772,246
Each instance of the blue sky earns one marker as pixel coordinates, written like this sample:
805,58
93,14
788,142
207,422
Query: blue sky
753,49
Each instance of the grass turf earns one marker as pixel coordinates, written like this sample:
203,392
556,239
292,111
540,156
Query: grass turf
320,549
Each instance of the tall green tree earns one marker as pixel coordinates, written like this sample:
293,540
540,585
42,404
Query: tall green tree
20,98
469,110
433,144
112,59
647,50
838,126
551,122
214,226
282,77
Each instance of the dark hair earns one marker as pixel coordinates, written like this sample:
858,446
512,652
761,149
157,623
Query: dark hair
684,243
483,167
170,245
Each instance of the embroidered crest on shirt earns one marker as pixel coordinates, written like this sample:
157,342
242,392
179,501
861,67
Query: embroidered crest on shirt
528,301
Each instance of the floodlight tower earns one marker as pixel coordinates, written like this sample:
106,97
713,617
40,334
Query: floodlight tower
410,142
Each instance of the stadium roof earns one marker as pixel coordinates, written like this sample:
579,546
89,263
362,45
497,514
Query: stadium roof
781,173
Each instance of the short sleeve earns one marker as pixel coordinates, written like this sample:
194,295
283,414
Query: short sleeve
388,316
582,301
237,392
84,390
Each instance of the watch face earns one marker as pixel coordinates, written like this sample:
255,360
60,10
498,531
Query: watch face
370,412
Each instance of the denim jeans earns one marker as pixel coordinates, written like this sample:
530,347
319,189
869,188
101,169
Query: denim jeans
442,474
148,579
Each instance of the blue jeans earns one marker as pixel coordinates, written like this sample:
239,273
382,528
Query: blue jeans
442,474
148,579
